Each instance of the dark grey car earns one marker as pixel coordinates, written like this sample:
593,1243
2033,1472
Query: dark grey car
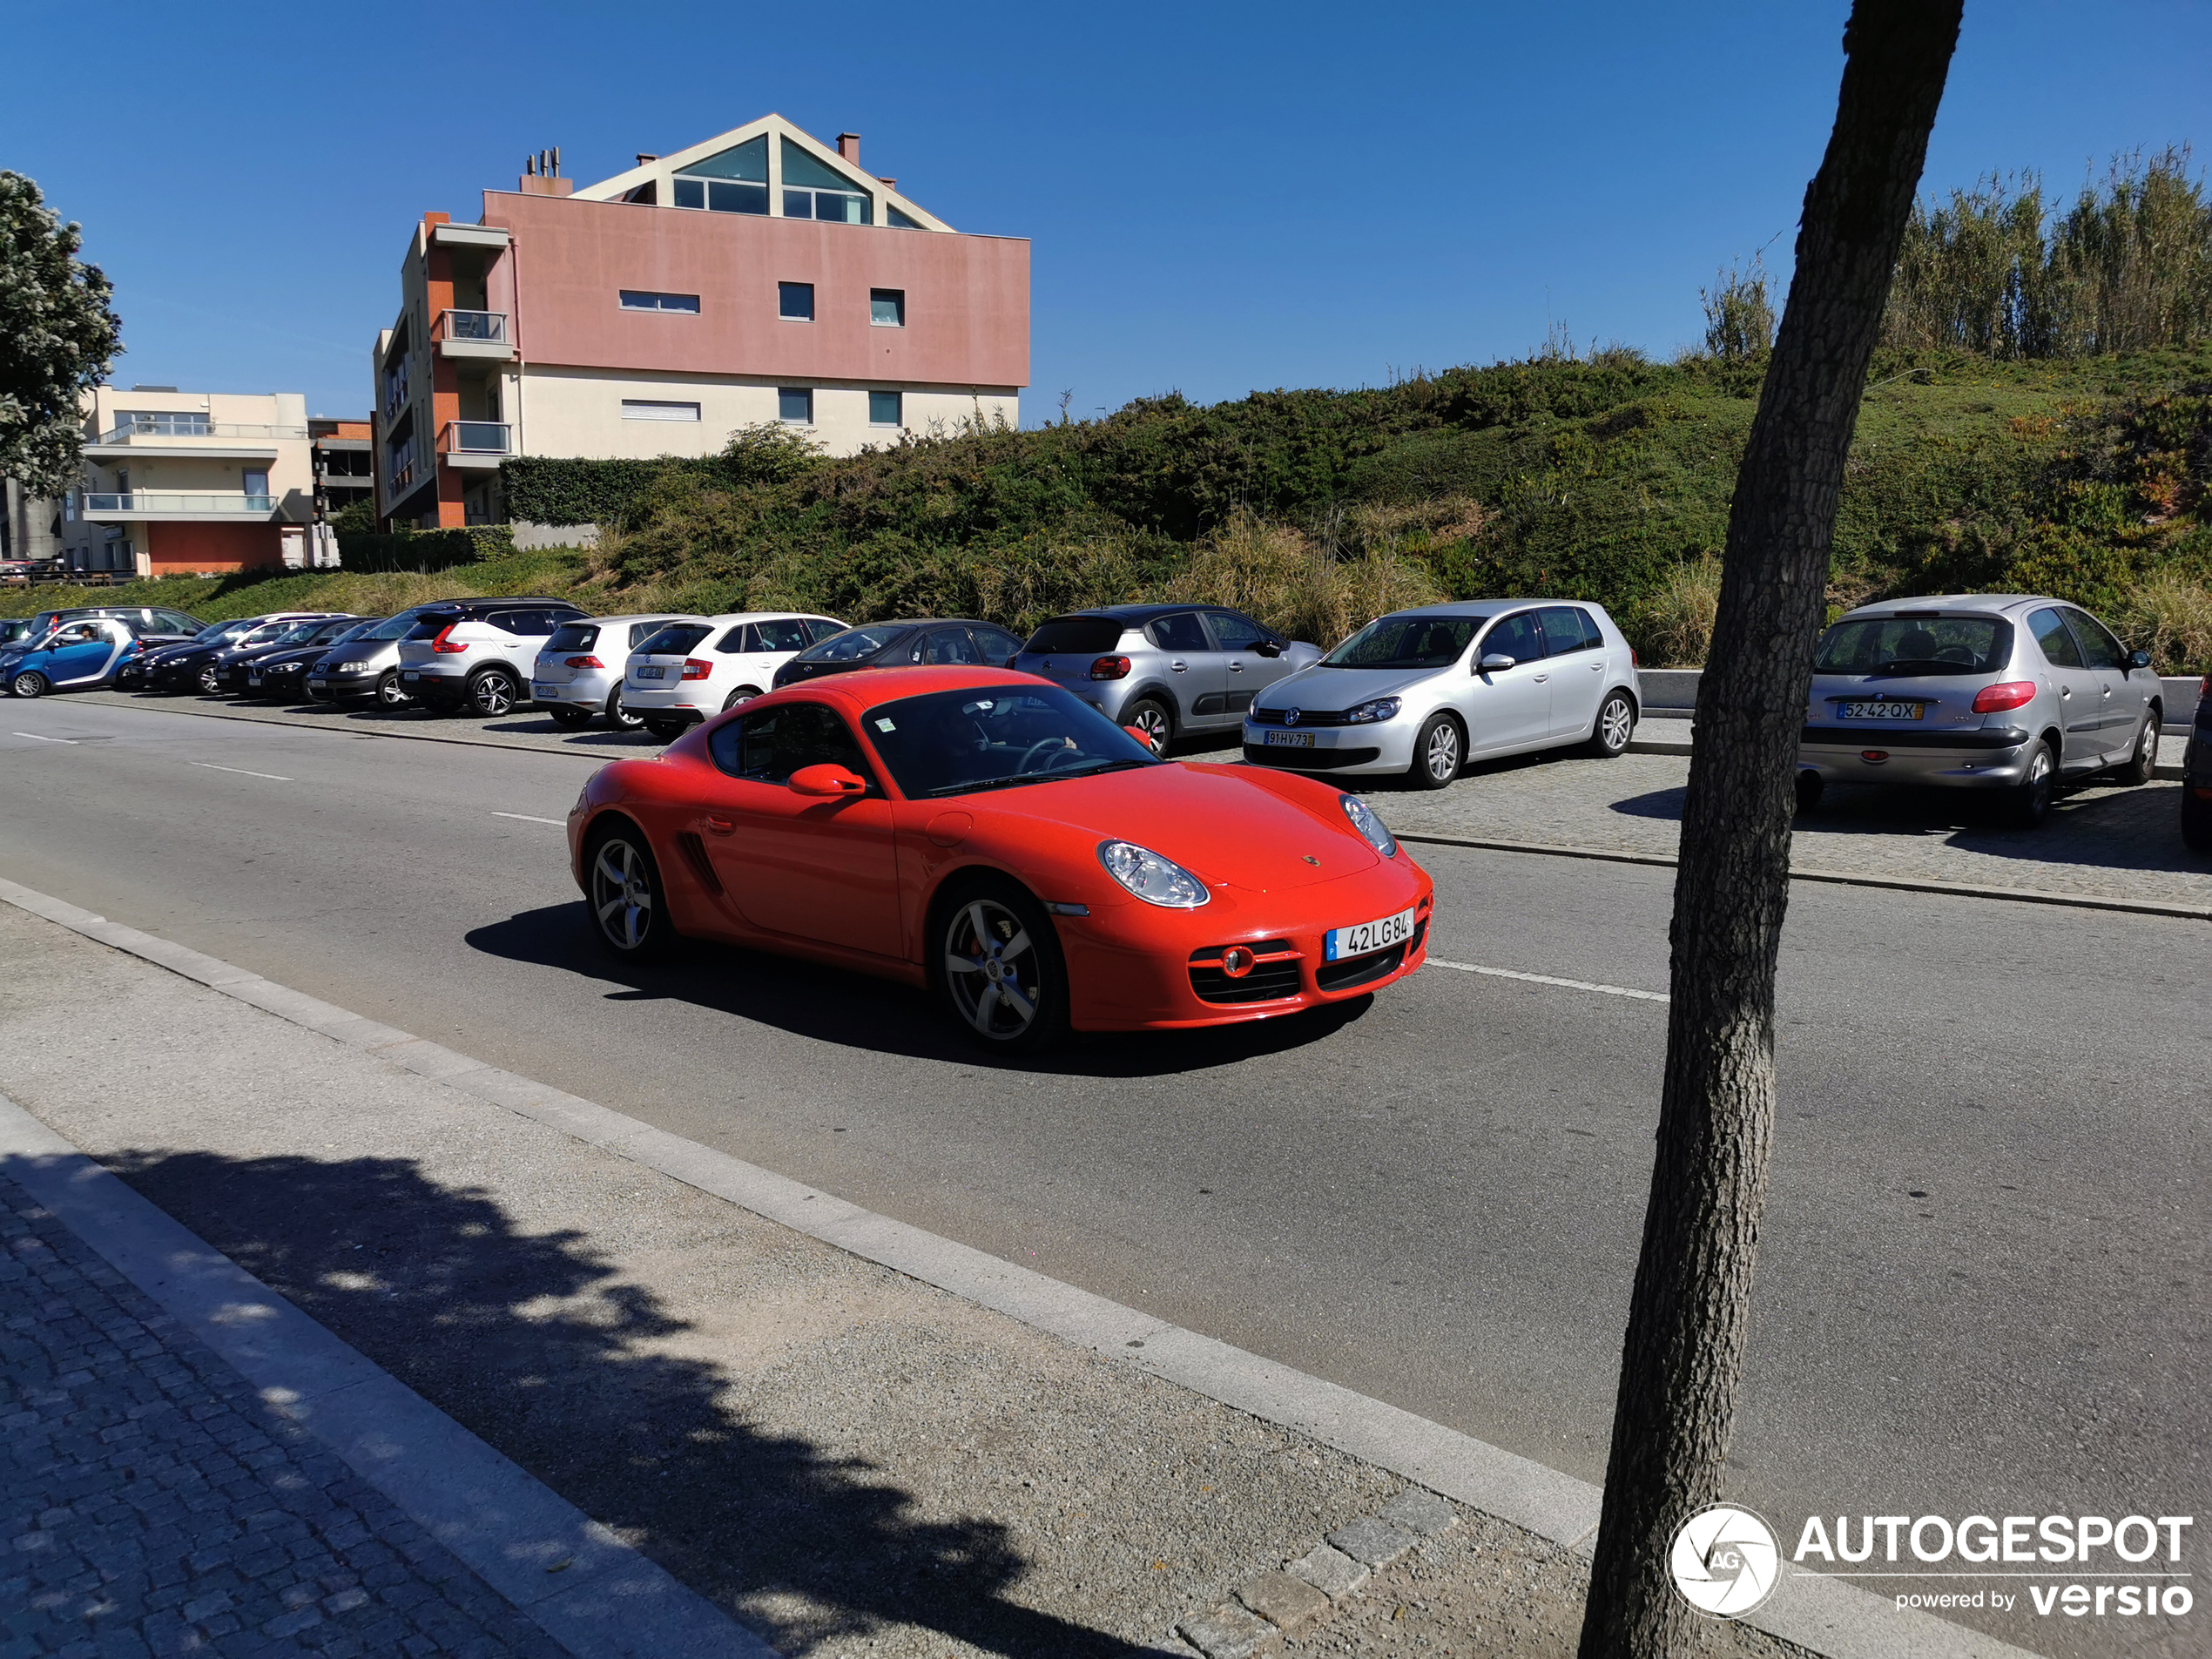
366,664
1164,669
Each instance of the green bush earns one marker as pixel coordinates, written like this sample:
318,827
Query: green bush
424,550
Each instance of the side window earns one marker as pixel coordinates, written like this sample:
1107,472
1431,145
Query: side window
994,647
511,622
1236,632
822,628
1182,632
1566,628
2099,648
781,635
1514,636
739,638
947,645
642,631
2050,632
767,747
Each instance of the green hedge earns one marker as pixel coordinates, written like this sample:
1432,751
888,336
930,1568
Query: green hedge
424,549
557,489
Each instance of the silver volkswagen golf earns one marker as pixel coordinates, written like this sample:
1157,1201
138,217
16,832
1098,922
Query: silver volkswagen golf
1421,692
2000,691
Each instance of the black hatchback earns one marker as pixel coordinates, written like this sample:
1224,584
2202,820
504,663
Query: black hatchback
914,642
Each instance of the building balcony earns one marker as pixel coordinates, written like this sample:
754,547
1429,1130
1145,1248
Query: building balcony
481,335
142,504
191,434
474,443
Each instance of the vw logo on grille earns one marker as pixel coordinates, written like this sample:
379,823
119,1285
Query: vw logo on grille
1290,717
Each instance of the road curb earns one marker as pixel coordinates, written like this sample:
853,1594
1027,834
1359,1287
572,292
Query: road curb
1830,1616
355,732
1835,878
506,1525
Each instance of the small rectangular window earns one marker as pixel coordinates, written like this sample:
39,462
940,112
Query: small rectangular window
899,221
887,308
648,408
795,301
883,409
691,192
795,403
647,299
725,196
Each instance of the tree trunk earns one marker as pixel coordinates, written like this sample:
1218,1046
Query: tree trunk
1683,1356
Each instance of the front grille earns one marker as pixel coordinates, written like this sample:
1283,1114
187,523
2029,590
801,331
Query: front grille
1273,976
1307,717
1308,759
1365,970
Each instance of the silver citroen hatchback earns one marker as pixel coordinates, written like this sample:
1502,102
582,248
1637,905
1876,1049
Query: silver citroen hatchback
2005,692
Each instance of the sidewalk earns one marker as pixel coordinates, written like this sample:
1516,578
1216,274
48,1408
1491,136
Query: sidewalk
845,1460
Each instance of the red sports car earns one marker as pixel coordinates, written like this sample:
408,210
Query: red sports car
995,839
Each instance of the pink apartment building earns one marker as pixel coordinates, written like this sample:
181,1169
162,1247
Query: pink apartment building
757,276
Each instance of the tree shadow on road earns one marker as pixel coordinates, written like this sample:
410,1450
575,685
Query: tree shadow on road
527,1340
856,1010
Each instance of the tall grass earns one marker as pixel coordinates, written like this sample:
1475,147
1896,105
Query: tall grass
1294,584
2169,614
1677,622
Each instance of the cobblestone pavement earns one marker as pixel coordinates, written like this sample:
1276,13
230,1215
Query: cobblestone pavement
2102,841
151,1505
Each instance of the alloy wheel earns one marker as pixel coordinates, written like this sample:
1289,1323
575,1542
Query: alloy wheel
993,970
1152,721
619,716
210,682
28,684
1616,725
1442,755
623,901
494,695
389,690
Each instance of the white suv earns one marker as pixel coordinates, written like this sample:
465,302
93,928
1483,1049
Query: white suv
476,654
690,670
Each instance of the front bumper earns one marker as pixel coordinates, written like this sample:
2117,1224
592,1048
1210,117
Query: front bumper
276,684
338,688
1139,967
1983,758
1378,748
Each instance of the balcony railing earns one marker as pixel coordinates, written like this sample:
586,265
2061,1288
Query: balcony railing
487,326
474,438
191,426
179,503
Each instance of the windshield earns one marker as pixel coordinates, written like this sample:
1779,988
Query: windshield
1406,642
1916,645
853,643
675,639
396,628
304,634
952,743
359,631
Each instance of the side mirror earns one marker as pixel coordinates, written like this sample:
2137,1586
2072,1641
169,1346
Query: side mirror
2139,659
1496,661
828,780
1267,648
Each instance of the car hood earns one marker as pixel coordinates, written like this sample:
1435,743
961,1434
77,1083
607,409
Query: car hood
1221,823
1334,689
292,654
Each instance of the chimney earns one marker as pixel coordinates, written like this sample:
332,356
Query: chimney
889,184
642,158
848,145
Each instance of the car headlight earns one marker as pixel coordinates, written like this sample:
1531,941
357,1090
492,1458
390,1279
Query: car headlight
1382,708
1151,878
1364,819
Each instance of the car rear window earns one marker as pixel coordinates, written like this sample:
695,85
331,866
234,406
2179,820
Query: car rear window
1915,645
1076,634
574,636
675,639
428,627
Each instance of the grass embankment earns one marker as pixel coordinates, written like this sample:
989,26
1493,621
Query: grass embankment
1607,479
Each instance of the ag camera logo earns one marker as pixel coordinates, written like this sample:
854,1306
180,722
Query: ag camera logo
1725,1560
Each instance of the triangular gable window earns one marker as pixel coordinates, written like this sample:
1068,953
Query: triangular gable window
735,181
813,189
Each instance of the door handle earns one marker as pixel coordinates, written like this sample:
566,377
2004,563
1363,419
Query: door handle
1236,668
1539,679
719,825
2065,691
1179,667
2105,689
1597,668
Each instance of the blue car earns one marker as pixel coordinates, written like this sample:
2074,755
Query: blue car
77,655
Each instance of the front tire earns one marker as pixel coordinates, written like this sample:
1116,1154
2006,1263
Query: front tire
624,892
998,968
2141,764
2196,819
1152,717
492,694
210,681
1616,725
29,683
1439,751
619,716
389,694
665,731
2028,803
570,719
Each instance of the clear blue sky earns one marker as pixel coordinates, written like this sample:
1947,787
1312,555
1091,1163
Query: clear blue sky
1219,198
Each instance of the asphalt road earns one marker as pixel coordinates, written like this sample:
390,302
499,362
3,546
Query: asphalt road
1983,1282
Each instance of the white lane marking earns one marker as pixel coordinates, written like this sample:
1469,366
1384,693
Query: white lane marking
242,772
1551,979
558,823
34,737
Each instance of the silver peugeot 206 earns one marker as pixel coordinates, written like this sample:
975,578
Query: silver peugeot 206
1421,692
2005,692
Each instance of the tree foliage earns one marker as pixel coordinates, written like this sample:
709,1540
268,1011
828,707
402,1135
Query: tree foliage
57,337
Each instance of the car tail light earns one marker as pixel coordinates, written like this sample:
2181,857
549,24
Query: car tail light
2007,694
445,646
582,661
696,670
1107,668
1634,661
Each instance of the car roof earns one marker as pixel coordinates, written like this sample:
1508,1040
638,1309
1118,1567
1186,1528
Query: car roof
862,692
1490,607
926,621
1136,615
474,608
648,616
1985,603
724,618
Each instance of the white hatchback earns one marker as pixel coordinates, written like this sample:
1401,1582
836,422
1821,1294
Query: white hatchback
579,673
690,670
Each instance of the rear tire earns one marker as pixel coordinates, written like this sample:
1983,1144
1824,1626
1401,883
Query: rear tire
493,694
2141,764
997,967
743,694
1155,720
29,683
623,894
1811,787
2028,803
666,730
1439,752
570,719
1616,725
2197,820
